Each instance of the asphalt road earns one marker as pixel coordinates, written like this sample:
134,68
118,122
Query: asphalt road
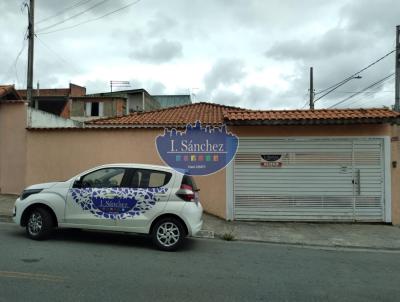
91,266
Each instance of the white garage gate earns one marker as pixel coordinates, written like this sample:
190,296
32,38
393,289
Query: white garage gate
309,179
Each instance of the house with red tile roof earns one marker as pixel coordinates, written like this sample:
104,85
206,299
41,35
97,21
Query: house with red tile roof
290,165
215,114
9,94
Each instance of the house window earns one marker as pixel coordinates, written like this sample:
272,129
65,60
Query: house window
94,109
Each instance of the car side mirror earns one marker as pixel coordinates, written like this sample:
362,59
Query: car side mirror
77,183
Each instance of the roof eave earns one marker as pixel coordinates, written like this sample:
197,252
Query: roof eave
391,120
142,125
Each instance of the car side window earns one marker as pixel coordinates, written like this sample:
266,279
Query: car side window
104,178
145,178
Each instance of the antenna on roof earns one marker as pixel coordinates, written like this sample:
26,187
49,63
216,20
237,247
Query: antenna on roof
119,84
192,94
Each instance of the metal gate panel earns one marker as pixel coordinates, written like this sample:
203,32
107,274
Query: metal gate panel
319,179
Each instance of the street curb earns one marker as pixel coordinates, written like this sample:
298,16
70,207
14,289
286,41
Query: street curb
5,218
310,245
207,234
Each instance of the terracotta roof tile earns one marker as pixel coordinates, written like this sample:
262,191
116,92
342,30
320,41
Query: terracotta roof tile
217,114
208,113
286,116
5,89
9,94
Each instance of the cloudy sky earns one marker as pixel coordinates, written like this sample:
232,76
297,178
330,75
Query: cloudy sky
247,53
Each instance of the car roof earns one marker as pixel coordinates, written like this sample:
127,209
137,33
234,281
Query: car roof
135,165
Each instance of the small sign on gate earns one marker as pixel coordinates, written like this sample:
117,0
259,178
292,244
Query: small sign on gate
271,160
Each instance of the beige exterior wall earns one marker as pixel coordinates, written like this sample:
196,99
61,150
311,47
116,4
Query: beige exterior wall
12,147
395,173
60,154
316,130
34,156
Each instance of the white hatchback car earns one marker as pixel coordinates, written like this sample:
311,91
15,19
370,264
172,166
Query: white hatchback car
147,199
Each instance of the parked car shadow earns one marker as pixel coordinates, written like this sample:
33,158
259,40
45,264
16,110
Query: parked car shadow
106,238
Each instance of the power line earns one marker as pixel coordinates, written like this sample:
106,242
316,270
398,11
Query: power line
79,3
56,54
391,91
14,63
352,76
73,16
337,86
388,102
363,90
371,92
92,20
375,84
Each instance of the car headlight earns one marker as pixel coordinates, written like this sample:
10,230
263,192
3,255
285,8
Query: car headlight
29,192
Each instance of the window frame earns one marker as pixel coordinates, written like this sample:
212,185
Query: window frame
132,171
124,181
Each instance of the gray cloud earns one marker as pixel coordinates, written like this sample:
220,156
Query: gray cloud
226,97
160,52
336,37
378,17
224,71
333,43
256,97
160,24
95,86
155,88
360,37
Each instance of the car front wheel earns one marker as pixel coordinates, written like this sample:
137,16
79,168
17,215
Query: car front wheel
40,224
168,234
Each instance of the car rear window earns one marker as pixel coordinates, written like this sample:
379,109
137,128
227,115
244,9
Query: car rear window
144,178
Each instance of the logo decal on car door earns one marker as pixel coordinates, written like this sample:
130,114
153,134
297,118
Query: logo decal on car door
116,203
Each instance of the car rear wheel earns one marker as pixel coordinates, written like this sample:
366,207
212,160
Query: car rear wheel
40,224
168,234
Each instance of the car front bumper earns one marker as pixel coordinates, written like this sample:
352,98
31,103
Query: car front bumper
16,217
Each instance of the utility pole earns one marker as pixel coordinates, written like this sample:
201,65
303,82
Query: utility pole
397,83
31,36
311,89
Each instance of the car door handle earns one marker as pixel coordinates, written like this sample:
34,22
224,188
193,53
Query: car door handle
161,195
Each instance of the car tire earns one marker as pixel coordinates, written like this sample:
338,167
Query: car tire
40,224
168,234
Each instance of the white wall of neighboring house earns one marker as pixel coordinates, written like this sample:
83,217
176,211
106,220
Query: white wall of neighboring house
41,119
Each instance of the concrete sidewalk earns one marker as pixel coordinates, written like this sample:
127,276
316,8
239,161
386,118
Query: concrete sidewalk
6,206
346,235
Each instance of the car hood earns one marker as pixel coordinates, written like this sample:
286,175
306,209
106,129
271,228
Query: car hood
42,186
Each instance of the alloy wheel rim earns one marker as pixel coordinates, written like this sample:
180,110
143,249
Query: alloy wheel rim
168,234
35,224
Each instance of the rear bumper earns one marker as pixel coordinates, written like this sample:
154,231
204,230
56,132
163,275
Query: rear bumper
196,228
193,215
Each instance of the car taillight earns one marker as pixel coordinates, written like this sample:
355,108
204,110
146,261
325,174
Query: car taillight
186,187
186,193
